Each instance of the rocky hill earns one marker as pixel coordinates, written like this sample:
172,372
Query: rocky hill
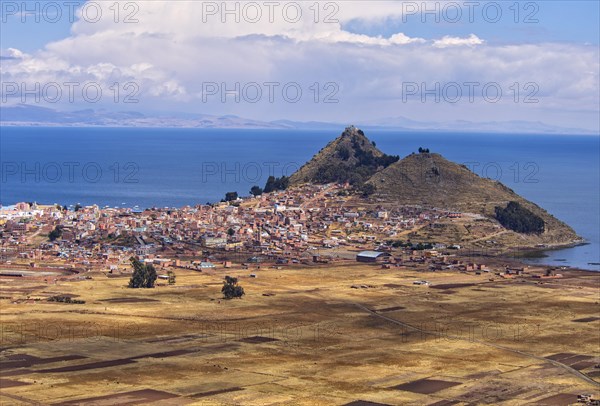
349,158
430,180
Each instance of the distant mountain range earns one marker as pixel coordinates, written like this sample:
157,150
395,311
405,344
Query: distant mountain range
28,115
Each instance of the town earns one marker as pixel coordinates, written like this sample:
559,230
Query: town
308,224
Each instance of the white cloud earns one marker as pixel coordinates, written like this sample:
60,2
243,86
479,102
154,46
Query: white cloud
15,53
448,41
170,53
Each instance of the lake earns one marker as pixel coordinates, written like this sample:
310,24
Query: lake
178,167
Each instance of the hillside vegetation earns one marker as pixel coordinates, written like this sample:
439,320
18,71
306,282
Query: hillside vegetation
517,218
349,158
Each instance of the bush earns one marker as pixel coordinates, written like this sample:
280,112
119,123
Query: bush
399,243
65,299
517,218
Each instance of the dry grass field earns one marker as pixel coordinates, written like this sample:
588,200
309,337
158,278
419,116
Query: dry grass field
341,334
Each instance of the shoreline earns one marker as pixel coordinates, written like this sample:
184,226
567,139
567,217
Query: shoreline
535,253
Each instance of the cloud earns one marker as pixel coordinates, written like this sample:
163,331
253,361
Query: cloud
170,54
15,53
448,41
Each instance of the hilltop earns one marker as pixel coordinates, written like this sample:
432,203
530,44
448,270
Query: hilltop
351,157
430,179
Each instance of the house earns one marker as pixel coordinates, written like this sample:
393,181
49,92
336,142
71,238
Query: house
210,241
372,256
144,250
431,253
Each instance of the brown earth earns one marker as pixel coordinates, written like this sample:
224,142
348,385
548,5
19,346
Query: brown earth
316,342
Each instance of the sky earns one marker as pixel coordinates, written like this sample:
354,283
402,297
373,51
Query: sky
344,61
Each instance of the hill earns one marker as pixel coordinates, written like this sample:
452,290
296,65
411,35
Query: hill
349,158
428,179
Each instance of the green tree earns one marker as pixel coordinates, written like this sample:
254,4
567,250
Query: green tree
273,184
231,289
344,152
270,185
367,189
231,196
55,234
144,275
256,191
230,232
517,218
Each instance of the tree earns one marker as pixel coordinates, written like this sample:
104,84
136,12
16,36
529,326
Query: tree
367,189
274,184
344,153
231,196
423,150
231,289
230,232
78,207
517,218
171,275
256,191
270,185
144,275
55,234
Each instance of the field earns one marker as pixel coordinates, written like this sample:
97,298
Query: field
337,334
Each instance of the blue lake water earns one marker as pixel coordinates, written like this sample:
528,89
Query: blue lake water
178,167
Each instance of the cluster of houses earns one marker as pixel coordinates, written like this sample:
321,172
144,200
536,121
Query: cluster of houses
283,226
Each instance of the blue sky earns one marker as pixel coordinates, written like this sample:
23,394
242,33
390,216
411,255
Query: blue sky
563,21
365,60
